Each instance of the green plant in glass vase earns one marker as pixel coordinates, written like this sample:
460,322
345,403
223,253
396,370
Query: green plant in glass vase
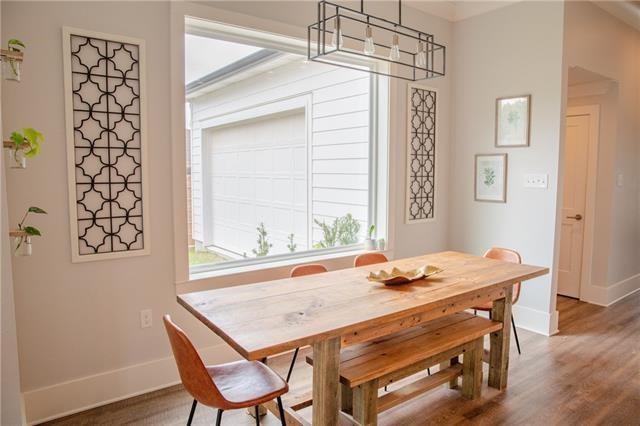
25,232
25,143
11,65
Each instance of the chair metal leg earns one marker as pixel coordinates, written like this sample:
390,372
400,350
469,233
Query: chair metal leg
515,334
281,411
219,417
293,362
257,415
192,412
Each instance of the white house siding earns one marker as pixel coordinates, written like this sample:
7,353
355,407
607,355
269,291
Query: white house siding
338,113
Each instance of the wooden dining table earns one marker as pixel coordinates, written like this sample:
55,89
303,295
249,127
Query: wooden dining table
332,310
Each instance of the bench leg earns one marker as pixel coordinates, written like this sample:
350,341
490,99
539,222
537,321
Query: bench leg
365,403
453,384
472,371
346,399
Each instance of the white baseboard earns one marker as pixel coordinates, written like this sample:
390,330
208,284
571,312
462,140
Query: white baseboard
606,296
622,289
63,399
540,322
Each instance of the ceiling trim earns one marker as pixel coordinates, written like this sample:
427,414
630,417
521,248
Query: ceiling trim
626,11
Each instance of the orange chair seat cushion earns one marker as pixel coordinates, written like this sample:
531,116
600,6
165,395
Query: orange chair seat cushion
484,307
247,383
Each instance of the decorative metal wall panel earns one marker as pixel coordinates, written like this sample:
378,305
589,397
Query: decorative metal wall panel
104,100
421,154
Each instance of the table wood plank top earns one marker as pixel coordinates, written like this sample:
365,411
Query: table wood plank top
271,317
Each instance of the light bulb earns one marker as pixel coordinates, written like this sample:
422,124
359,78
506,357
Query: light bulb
369,46
336,39
421,59
394,54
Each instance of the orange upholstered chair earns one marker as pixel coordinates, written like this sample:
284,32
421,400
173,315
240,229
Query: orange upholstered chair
369,259
239,384
505,255
310,269
298,271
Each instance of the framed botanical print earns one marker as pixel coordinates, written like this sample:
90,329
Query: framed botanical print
512,121
491,178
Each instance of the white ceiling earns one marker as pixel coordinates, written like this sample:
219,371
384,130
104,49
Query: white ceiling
627,11
456,10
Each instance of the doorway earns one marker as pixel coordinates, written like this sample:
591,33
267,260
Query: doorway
578,201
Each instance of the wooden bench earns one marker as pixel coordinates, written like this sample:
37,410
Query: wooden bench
366,367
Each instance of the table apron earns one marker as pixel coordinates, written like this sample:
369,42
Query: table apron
374,332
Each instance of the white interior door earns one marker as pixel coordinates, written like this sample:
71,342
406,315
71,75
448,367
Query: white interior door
573,208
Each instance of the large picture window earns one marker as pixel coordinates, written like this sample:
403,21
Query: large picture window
282,152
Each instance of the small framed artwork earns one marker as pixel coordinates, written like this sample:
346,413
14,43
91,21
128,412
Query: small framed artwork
491,178
512,121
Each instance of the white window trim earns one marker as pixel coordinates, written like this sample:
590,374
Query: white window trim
236,25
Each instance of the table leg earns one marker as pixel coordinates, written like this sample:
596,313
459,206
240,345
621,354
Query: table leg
499,353
326,380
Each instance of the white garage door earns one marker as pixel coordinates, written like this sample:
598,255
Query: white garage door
256,172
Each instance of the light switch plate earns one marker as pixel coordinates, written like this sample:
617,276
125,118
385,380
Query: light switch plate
620,180
536,180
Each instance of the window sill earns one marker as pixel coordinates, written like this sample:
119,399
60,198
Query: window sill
279,269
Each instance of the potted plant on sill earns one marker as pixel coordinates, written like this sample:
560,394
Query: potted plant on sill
22,145
370,242
24,233
12,58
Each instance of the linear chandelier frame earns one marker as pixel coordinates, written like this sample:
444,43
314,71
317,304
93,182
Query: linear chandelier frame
407,68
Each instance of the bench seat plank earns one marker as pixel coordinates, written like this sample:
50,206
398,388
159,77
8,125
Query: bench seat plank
372,360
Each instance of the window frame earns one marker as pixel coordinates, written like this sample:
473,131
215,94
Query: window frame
378,165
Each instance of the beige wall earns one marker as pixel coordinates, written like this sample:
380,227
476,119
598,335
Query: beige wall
80,342
78,324
602,44
512,51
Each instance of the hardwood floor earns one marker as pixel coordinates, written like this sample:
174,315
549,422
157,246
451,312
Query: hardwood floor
588,374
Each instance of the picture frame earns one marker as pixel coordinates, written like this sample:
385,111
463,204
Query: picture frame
490,178
513,121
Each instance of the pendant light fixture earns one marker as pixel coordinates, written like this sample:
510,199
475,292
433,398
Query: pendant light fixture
369,45
394,54
337,41
421,57
341,33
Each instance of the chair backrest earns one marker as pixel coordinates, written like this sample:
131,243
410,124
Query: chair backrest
193,373
506,255
369,259
310,269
